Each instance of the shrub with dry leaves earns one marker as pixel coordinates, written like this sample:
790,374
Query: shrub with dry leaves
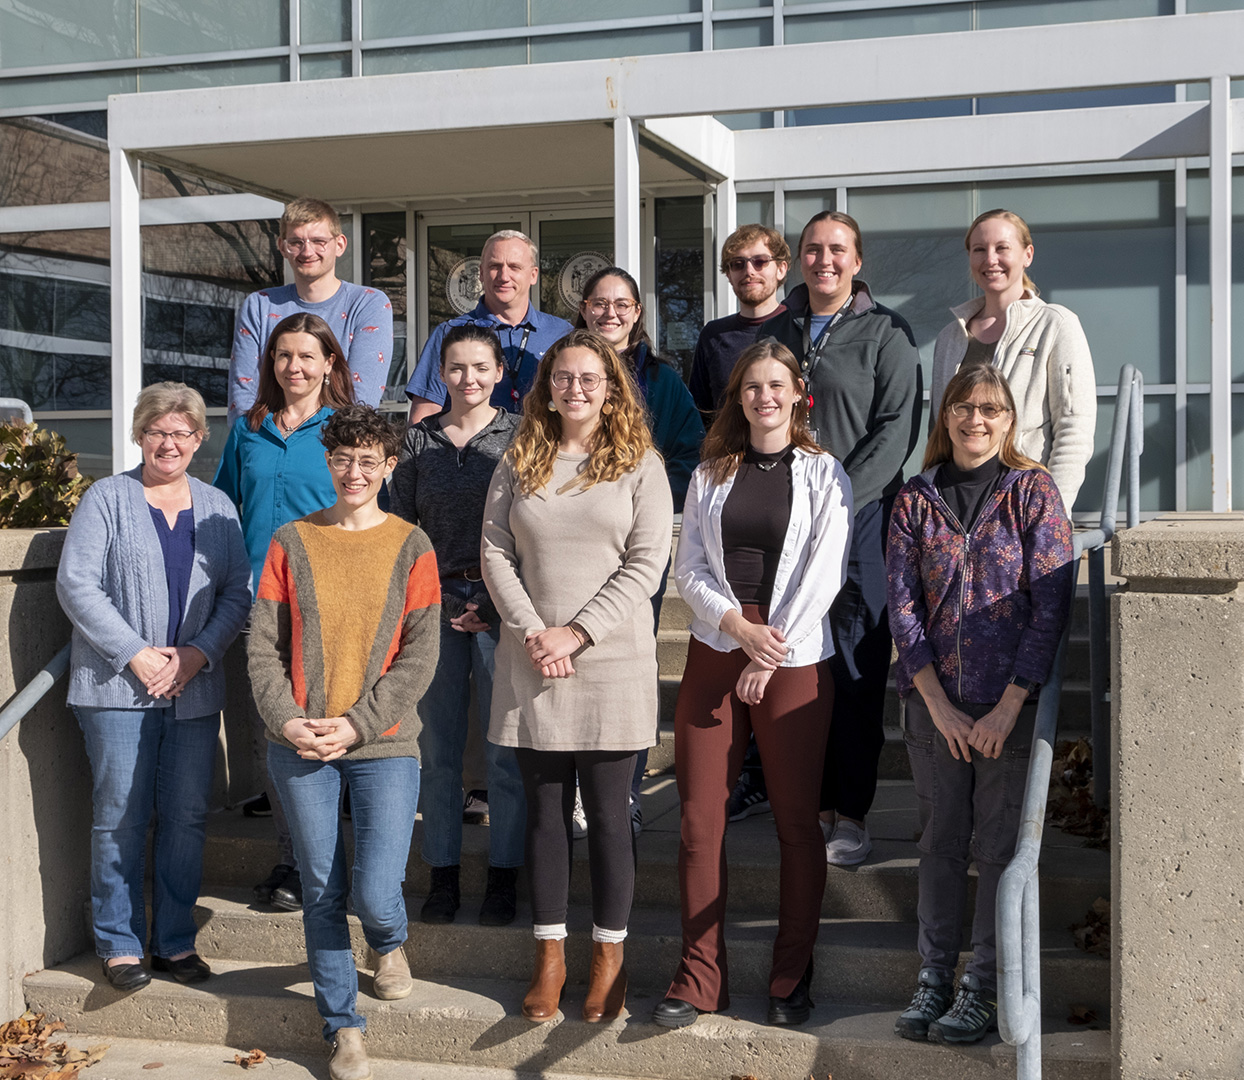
1071,807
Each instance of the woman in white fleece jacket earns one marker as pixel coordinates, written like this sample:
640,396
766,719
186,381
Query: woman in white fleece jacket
1039,347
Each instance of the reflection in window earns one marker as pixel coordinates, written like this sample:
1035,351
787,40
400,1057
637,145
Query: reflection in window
384,268
680,277
44,162
571,251
1199,364
204,26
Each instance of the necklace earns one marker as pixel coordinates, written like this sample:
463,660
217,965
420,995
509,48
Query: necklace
765,466
287,430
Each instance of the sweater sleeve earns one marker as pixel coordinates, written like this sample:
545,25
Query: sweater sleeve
905,587
370,349
248,334
1073,406
426,381
231,581
699,386
697,584
499,557
404,482
1047,549
829,544
948,352
894,423
228,476
394,696
270,652
80,583
643,560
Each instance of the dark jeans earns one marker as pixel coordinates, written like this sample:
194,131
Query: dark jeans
861,669
968,810
605,783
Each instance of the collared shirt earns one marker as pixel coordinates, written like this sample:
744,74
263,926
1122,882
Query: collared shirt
523,345
273,480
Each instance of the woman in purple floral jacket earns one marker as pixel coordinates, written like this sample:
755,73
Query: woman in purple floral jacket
980,576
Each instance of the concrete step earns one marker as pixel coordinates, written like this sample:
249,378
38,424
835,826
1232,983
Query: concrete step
857,961
477,1023
240,851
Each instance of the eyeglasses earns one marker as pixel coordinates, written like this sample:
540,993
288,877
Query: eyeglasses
756,262
314,243
152,435
961,410
622,307
340,463
589,380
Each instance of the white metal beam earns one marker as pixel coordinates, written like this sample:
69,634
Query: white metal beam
127,305
1126,52
726,223
626,249
1220,288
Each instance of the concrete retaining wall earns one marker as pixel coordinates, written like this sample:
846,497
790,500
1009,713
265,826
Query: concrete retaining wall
45,780
1178,799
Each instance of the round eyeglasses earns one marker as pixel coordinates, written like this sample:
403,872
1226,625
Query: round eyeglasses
589,380
961,410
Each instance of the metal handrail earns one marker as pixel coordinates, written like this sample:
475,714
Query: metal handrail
1018,909
30,694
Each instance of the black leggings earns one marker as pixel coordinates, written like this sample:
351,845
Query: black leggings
605,785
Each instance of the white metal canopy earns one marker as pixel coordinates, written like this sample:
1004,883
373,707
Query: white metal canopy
645,124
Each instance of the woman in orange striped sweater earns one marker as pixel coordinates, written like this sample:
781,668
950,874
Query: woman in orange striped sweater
365,583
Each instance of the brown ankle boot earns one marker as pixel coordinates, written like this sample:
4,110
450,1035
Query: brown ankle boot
606,987
545,991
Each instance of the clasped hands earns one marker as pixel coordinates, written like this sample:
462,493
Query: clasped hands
165,669
320,740
765,647
986,735
550,650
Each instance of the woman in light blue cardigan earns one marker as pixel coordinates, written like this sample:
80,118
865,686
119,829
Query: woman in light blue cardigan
156,581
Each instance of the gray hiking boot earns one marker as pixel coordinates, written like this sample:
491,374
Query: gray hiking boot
929,1002
973,1015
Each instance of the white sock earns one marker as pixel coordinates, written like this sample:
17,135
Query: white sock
608,937
551,931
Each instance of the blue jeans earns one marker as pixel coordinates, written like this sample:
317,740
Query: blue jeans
443,711
383,795
144,759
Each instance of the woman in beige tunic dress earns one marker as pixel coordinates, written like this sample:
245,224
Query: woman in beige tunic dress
576,535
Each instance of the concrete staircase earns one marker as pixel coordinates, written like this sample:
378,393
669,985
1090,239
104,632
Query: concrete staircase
465,1008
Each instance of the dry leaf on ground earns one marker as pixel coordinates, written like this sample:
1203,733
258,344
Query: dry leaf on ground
1093,934
1070,806
25,1051
251,1060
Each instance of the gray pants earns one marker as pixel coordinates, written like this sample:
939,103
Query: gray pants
968,810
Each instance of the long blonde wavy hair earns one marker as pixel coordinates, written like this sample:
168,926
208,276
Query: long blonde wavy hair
620,441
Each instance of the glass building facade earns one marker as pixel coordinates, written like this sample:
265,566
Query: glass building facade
1125,246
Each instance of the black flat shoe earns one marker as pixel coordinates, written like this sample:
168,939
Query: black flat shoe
189,969
264,890
288,896
126,976
797,1006
671,1012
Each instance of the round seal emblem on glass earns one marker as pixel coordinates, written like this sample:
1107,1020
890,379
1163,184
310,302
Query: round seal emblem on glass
462,285
575,273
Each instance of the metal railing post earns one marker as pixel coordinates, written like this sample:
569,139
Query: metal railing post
29,695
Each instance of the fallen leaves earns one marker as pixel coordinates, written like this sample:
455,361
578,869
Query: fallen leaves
1093,934
25,1051
1082,1015
1071,807
250,1061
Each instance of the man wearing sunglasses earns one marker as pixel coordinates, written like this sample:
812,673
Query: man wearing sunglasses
362,318
755,260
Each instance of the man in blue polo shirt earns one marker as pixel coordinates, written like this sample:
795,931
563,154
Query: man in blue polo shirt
361,317
509,268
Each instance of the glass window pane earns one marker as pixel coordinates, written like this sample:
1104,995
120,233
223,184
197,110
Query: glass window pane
1157,463
801,207
66,32
680,277
384,268
1002,13
745,121
1237,450
233,73
67,89
899,22
184,27
737,5
1200,493
571,251
165,182
914,260
324,66
755,208
742,33
43,162
1199,364
552,12
1076,99
872,114
323,20
1105,248
446,57
410,18
91,440
657,39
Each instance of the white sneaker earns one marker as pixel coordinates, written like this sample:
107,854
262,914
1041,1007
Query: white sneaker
849,844
578,820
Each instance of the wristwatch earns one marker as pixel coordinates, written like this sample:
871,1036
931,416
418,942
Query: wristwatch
1025,684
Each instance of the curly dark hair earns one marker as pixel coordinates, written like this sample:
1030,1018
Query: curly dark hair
359,426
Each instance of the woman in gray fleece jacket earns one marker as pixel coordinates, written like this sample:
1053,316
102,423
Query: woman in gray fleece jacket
156,581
